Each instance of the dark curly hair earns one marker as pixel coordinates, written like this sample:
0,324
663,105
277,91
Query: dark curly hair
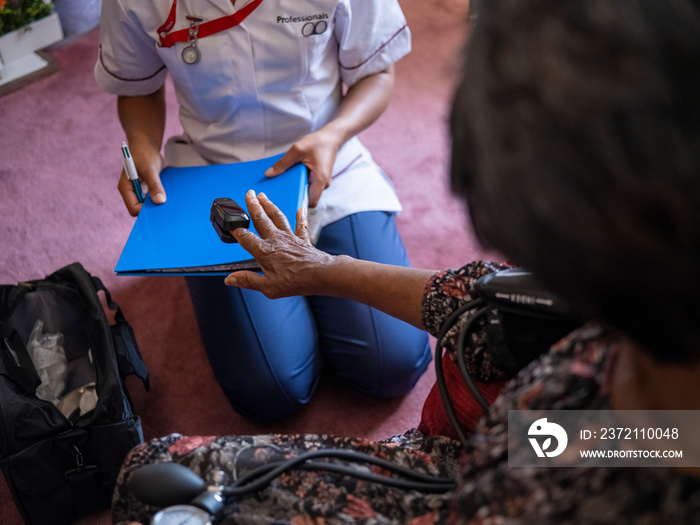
576,145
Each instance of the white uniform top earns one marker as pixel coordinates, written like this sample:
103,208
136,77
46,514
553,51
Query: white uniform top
262,85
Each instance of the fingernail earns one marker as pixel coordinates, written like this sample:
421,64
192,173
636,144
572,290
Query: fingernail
269,172
251,193
158,198
262,196
230,281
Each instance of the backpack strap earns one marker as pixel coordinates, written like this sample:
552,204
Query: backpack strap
129,358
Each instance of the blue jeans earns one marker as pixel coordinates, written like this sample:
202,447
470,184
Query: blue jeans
267,354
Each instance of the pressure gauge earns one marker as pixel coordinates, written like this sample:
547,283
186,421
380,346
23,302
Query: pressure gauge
181,515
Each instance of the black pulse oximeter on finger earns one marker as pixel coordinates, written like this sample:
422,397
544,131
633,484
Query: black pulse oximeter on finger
227,215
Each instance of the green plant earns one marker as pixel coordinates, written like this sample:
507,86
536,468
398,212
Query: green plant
15,14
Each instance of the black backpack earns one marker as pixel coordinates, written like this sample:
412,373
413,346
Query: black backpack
61,460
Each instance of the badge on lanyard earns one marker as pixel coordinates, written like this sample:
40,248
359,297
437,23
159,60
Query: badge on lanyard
190,54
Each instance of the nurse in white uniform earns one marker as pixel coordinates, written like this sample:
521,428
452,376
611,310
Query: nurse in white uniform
255,78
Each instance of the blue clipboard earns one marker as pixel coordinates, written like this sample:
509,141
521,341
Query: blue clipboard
177,237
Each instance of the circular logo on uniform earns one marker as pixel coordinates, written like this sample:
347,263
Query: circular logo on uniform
314,28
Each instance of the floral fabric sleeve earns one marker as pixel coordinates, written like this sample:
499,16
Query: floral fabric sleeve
572,376
301,497
447,291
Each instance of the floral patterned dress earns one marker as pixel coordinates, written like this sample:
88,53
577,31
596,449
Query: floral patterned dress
570,376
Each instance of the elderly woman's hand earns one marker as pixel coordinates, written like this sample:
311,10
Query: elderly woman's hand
291,264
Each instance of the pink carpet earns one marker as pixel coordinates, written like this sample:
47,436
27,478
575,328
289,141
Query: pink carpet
59,204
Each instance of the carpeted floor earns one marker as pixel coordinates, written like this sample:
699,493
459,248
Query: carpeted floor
59,141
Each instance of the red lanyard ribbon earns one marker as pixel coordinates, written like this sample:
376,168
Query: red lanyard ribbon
205,29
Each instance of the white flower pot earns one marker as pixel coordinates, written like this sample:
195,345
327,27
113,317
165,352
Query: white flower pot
18,59
24,41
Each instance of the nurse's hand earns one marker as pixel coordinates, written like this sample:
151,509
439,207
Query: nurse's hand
291,264
148,163
143,120
316,151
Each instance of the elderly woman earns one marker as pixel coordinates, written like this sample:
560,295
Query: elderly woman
576,146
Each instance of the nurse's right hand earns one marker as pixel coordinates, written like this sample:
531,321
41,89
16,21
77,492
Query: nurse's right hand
149,163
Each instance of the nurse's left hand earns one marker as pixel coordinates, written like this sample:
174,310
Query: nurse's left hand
316,151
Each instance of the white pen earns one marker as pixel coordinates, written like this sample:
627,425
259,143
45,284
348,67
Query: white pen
131,171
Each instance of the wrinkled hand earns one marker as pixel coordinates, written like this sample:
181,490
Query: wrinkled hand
148,166
290,263
316,151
